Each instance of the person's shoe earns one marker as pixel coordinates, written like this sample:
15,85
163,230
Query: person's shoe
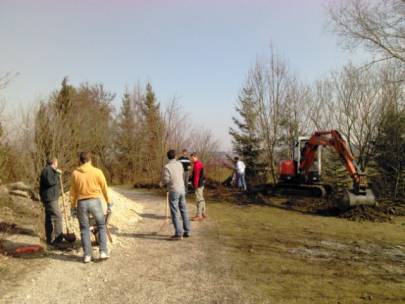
104,256
186,234
176,238
205,216
197,218
58,240
87,259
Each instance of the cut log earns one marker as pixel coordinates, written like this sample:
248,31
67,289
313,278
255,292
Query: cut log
19,186
20,193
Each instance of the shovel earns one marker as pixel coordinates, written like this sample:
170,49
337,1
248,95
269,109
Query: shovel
70,237
167,216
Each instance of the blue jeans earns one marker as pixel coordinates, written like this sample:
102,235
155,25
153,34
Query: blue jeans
241,181
84,208
177,202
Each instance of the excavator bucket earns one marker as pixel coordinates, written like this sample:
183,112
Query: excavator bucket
350,199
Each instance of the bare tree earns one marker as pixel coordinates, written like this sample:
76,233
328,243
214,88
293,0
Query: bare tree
379,26
354,108
350,101
204,143
177,126
321,96
6,78
270,82
297,112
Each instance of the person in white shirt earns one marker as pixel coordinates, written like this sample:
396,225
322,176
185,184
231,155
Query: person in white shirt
240,169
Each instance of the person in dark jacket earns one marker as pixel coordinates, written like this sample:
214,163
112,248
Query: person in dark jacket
49,192
185,161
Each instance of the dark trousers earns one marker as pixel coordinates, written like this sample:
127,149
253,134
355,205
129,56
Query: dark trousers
186,178
53,222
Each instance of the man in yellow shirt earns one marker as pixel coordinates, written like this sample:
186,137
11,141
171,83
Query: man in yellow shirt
88,186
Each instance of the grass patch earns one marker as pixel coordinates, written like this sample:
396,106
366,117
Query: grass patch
289,257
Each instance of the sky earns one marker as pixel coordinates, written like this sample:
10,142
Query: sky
197,51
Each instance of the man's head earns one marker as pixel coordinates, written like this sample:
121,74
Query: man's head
194,156
84,157
171,154
236,159
53,162
185,152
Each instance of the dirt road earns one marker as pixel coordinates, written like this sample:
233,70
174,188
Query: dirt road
143,268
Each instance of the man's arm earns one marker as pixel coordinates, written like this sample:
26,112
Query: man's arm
165,176
196,175
104,187
51,177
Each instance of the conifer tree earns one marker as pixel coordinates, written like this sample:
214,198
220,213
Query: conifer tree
125,140
390,153
153,136
246,141
63,102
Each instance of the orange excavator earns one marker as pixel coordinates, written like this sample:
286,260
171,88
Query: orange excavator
302,173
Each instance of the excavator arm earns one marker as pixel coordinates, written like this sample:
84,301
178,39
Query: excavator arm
333,139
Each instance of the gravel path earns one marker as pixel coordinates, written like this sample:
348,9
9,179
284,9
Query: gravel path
144,267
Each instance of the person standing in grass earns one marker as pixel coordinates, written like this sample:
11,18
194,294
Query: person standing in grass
198,180
172,177
88,186
185,161
240,169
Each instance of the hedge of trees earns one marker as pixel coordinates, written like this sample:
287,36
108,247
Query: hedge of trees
364,102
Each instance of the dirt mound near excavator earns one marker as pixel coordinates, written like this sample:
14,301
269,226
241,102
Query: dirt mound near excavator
384,211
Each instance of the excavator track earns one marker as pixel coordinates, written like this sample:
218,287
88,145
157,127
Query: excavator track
313,190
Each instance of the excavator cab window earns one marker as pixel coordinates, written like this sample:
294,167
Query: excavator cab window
296,151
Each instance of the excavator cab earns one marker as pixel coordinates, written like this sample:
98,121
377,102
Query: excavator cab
314,174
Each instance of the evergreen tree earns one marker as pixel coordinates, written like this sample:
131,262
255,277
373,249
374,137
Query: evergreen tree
43,138
246,142
63,102
334,172
153,136
389,155
74,120
125,139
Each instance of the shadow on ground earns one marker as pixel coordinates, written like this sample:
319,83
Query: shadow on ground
150,236
152,216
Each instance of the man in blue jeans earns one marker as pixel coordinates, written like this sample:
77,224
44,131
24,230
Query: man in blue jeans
88,186
172,178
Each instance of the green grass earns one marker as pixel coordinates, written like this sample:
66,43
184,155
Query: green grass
263,245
